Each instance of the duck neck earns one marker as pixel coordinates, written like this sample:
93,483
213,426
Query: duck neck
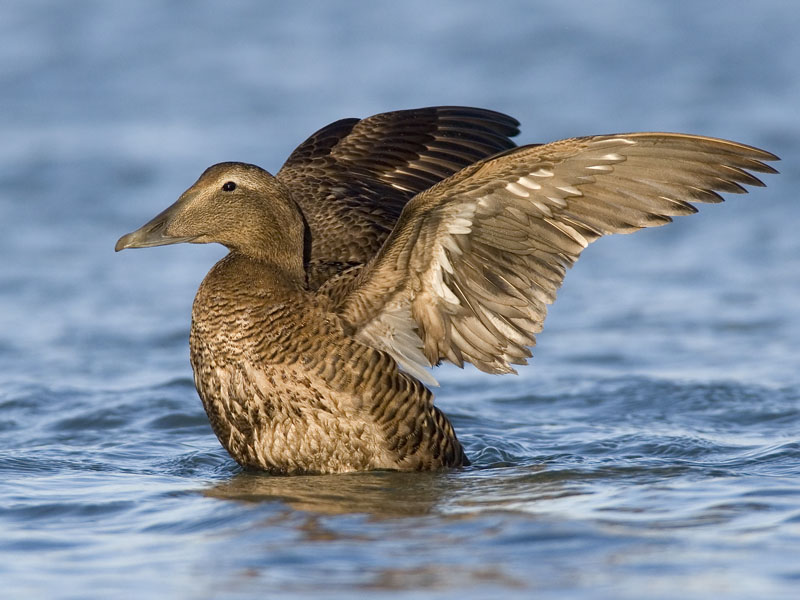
283,266
256,273
272,242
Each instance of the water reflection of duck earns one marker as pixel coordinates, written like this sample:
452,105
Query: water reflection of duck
386,245
377,493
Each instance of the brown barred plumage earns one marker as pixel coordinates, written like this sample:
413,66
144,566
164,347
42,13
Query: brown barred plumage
386,245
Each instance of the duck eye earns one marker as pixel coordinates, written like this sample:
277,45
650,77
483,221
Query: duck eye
228,186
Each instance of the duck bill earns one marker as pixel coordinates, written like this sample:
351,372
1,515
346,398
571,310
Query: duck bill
153,233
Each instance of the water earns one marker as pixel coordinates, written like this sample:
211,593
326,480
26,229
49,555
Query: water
650,451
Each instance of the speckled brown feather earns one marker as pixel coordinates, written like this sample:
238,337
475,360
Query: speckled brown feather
473,261
352,178
287,391
301,378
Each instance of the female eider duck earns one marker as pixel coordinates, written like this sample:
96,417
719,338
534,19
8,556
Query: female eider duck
386,245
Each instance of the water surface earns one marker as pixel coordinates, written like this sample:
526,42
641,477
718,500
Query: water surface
650,450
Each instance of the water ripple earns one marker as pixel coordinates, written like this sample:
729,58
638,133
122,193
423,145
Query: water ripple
650,449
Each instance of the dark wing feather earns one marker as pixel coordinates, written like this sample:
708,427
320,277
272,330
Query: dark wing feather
352,178
473,262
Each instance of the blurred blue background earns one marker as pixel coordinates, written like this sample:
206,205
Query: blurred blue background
652,446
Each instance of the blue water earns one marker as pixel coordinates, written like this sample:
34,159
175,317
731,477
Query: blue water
651,449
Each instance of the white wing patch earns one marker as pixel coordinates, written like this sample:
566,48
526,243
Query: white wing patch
441,256
462,223
570,190
518,190
441,289
615,140
395,334
529,183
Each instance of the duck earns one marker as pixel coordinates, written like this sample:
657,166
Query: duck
387,245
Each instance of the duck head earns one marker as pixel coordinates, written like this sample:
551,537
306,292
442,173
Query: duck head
238,205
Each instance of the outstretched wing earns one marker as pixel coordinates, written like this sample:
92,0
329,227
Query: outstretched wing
473,262
353,177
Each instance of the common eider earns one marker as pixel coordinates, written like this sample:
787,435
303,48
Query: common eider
386,245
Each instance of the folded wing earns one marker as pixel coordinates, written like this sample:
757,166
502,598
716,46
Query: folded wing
468,271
